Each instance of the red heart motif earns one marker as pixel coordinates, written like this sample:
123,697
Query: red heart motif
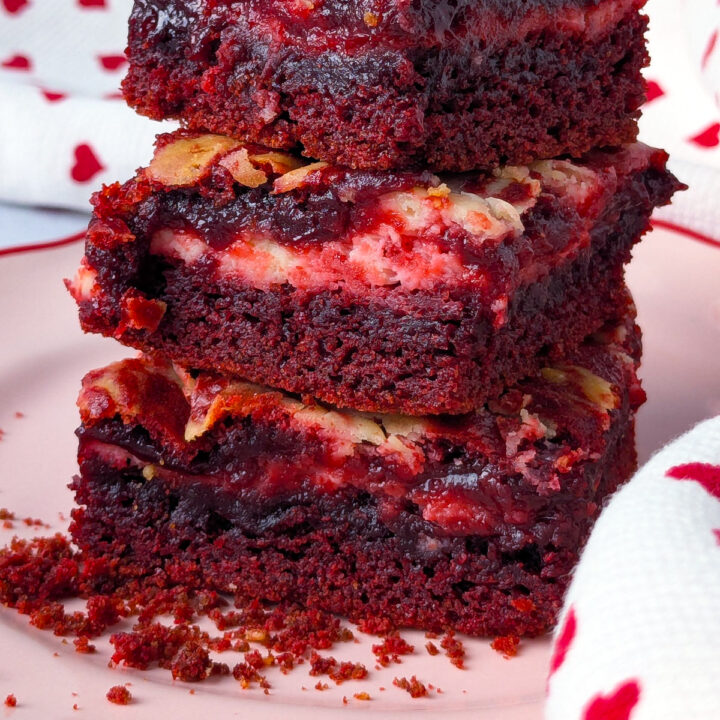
709,137
51,96
616,706
654,91
707,475
15,6
709,49
112,62
92,3
564,640
17,62
86,166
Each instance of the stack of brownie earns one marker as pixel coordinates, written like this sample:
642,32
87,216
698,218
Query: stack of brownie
389,358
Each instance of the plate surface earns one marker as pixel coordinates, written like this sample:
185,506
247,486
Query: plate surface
44,355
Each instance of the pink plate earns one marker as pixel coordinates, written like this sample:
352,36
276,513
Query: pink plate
44,355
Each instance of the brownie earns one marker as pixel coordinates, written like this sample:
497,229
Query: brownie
381,84
469,522
381,291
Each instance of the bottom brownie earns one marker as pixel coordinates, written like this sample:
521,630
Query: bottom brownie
470,523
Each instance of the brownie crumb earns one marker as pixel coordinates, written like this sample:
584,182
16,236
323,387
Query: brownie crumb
432,648
321,665
454,649
391,648
34,522
247,675
362,696
119,695
255,660
348,671
339,672
507,645
7,517
412,686
376,626
191,664
82,645
11,701
286,662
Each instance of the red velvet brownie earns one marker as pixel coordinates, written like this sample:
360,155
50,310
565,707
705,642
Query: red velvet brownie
469,522
378,84
380,291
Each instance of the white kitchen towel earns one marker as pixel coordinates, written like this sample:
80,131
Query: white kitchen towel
64,131
639,636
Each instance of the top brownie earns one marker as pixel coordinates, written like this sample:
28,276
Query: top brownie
379,84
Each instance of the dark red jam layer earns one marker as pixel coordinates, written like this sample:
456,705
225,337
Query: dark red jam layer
434,341
430,522
383,84
267,445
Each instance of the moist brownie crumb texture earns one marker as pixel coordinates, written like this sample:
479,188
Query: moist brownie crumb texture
383,84
387,362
